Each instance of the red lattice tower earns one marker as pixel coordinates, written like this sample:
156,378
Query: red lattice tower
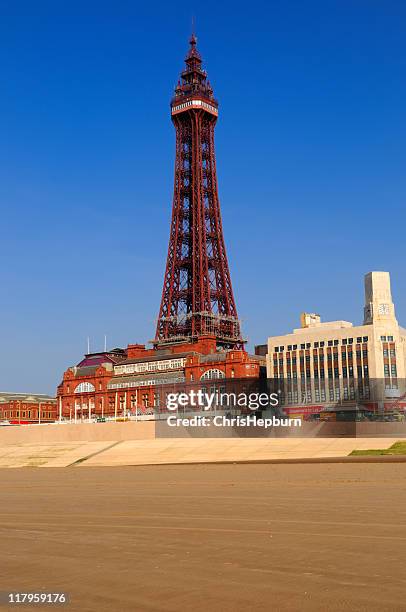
197,297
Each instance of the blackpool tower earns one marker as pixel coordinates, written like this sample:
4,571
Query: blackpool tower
197,296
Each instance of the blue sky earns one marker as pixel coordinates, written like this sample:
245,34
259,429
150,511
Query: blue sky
310,153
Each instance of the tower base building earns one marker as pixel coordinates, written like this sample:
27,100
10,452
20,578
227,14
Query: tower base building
137,380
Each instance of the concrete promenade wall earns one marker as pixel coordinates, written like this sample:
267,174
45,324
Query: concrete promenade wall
307,430
148,430
344,429
45,434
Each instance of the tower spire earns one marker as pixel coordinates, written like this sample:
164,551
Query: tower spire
193,43
197,297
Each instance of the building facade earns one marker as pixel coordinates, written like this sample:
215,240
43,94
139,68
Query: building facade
26,408
137,380
336,361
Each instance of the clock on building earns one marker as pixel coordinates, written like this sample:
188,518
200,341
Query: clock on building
383,309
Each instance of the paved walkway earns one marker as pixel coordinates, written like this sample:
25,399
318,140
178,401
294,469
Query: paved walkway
137,452
59,454
180,450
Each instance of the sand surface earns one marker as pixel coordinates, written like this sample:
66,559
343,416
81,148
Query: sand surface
208,537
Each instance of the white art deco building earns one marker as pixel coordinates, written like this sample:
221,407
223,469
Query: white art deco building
328,362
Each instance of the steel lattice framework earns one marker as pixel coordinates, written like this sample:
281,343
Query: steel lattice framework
197,297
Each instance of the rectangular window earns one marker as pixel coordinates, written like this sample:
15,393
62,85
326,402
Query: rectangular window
390,338
365,339
344,340
383,338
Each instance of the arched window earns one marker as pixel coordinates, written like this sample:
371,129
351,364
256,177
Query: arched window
84,387
212,375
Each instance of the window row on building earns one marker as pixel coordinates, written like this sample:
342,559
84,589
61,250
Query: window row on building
321,344
150,366
151,382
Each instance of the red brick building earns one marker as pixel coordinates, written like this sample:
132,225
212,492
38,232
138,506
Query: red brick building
137,379
25,408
